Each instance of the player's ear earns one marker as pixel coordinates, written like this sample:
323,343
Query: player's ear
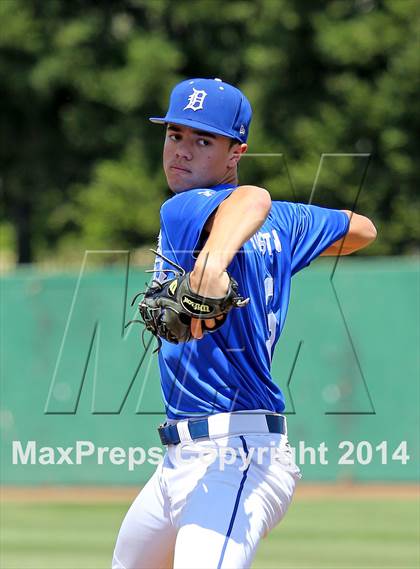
236,151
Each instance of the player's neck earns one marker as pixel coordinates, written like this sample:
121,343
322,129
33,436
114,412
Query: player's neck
230,178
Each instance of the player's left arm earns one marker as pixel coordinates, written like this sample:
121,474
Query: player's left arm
361,233
236,219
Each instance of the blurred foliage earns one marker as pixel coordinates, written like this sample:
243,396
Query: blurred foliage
81,164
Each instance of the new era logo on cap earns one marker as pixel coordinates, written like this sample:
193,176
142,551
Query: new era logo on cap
210,105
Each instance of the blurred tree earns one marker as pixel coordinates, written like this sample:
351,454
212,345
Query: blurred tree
81,164
346,81
77,82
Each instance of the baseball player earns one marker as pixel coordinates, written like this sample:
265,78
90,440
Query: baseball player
228,475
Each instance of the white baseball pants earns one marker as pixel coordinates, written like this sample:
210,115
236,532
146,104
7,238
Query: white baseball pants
208,504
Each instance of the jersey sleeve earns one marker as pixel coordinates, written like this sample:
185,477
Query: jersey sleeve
184,216
316,230
310,230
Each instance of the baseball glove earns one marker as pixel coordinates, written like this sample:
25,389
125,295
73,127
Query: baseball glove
167,308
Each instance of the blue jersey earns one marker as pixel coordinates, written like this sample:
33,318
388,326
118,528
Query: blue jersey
229,370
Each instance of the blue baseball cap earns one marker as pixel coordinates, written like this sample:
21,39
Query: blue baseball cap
210,105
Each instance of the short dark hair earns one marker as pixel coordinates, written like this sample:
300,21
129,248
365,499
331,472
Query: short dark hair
234,141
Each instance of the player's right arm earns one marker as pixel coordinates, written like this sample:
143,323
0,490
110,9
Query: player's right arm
361,233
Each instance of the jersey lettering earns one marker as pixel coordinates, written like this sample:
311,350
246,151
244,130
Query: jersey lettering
266,242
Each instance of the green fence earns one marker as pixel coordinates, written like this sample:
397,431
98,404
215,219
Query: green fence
347,360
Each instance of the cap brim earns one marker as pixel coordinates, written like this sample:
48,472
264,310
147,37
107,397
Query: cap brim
192,124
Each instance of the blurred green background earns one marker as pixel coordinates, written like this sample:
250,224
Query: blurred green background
81,164
347,362
324,532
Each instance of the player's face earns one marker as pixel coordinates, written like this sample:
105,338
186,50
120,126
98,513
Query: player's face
197,159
